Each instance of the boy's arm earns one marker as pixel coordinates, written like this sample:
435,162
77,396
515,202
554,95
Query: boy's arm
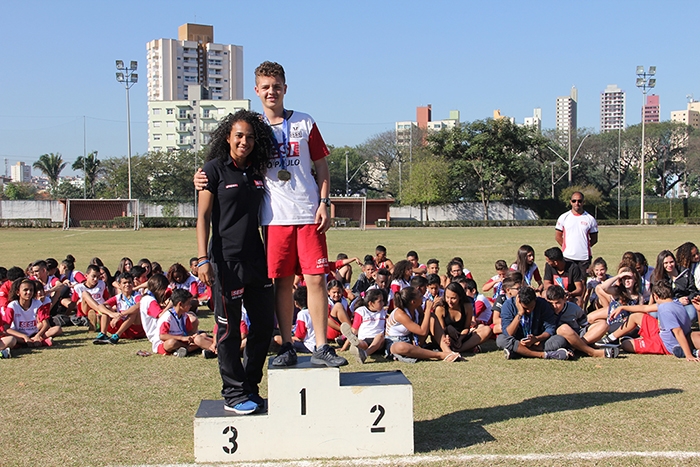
683,342
323,179
634,309
43,327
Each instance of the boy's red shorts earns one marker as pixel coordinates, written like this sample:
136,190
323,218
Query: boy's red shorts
649,341
135,331
295,249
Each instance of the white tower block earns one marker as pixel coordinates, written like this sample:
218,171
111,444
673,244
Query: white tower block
312,413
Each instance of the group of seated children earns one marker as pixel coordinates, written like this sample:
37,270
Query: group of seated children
403,311
37,303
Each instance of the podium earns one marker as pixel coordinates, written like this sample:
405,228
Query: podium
312,412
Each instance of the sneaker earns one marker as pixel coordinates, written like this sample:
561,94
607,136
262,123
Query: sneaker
257,400
287,356
340,341
507,354
206,353
101,339
612,352
5,353
181,352
80,321
359,354
346,329
401,358
114,339
559,354
242,408
325,355
607,342
695,352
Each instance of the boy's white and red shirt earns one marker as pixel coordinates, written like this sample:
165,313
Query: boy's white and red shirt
99,292
121,302
26,321
293,202
482,309
369,323
150,311
190,284
304,330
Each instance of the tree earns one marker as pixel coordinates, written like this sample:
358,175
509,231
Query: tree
481,154
51,165
66,190
91,168
428,183
19,190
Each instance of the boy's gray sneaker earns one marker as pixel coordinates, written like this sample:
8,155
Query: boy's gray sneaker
5,353
325,355
611,352
559,354
287,356
181,352
607,342
507,354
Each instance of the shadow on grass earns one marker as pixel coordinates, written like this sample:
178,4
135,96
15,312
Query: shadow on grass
467,427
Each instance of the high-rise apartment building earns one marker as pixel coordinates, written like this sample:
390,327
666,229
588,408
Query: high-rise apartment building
690,116
534,121
21,172
566,116
408,132
194,58
652,110
612,109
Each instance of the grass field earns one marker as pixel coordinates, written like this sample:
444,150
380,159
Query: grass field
78,404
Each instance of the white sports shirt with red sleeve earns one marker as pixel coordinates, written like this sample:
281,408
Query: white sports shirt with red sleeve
26,321
294,202
99,292
150,311
190,284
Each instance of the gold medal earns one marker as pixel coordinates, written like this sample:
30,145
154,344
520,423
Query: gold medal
284,175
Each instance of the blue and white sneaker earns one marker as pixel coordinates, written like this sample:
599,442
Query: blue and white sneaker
246,407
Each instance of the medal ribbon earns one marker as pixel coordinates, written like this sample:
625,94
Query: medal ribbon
282,152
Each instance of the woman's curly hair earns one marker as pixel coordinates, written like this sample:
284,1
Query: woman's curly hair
220,148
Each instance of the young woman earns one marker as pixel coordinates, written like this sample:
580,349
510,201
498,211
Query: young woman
620,289
401,277
406,322
525,264
684,289
234,262
455,319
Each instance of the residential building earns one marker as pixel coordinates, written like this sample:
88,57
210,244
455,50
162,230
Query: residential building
497,116
407,131
566,116
187,124
20,172
612,109
690,116
535,120
652,110
194,58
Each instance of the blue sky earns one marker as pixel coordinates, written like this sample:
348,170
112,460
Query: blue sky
356,67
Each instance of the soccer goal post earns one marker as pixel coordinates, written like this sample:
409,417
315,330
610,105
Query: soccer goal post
101,213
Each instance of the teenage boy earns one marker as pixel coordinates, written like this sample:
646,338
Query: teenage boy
670,335
176,335
94,287
119,316
380,259
529,328
366,279
294,214
563,273
510,288
418,269
433,266
572,325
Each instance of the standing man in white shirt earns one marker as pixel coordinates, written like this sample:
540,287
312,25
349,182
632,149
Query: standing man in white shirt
576,232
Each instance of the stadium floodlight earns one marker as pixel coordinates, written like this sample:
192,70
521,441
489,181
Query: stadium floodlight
644,82
128,78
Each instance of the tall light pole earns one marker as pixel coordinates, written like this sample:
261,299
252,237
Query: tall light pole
128,77
644,82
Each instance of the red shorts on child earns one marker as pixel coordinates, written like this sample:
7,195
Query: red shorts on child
649,341
135,331
295,249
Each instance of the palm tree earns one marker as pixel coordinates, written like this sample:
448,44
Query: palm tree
90,166
51,165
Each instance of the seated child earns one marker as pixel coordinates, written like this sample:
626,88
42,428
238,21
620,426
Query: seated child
304,338
180,279
94,287
418,268
175,333
529,328
119,315
366,335
669,335
203,290
433,289
404,324
572,325
511,286
433,266
496,282
338,312
26,318
366,278
380,259
599,274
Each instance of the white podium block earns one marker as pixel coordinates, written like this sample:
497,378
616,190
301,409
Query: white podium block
312,413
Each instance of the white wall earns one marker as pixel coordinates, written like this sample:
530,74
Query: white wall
463,211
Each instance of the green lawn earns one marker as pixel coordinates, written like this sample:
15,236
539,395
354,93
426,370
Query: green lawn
79,404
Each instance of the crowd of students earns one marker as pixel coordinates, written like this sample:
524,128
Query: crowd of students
403,310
